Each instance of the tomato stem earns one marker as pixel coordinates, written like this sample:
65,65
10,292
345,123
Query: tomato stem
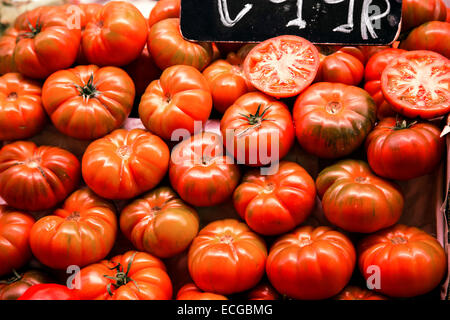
121,278
89,90
16,277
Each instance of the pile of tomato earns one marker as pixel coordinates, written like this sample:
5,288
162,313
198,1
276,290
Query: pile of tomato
98,208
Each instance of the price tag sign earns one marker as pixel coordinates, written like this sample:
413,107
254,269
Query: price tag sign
356,22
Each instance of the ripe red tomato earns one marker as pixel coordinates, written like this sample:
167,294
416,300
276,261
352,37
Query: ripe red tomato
403,150
433,36
356,200
40,43
116,36
81,232
200,172
49,291
14,287
417,12
408,261
88,102
125,163
275,204
333,119
263,291
369,51
168,47
238,57
159,223
311,263
164,9
257,129
176,101
21,112
15,229
36,178
239,257
131,276
339,66
373,71
191,292
227,83
283,66
357,293
416,83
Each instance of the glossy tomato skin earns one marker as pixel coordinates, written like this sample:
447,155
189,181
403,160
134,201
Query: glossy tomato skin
356,200
357,293
275,204
417,12
238,254
21,112
41,42
410,261
164,9
88,102
159,223
191,292
263,291
49,291
433,36
333,119
13,288
340,67
125,163
36,178
402,83
15,227
258,129
147,279
176,101
227,83
374,68
302,263
81,232
400,150
116,36
269,67
200,172
168,47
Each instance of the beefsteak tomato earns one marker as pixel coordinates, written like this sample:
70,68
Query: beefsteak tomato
49,291
356,200
417,12
125,163
14,287
191,292
164,9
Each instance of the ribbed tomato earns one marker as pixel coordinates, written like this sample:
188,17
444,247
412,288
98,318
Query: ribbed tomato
357,293
36,178
176,101
164,9
433,36
408,261
81,232
417,12
21,112
125,163
200,172
257,129
237,254
168,47
88,102
191,292
227,83
116,36
333,119
41,42
159,223
131,276
275,204
14,287
356,200
311,263
15,227
403,150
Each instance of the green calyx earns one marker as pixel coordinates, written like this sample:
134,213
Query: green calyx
88,90
34,30
16,277
257,118
121,278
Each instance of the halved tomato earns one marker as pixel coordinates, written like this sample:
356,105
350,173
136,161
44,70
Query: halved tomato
417,84
283,66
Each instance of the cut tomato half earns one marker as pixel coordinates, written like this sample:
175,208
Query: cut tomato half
417,84
283,66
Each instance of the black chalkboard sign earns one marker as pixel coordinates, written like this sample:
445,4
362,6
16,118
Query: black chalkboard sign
357,22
